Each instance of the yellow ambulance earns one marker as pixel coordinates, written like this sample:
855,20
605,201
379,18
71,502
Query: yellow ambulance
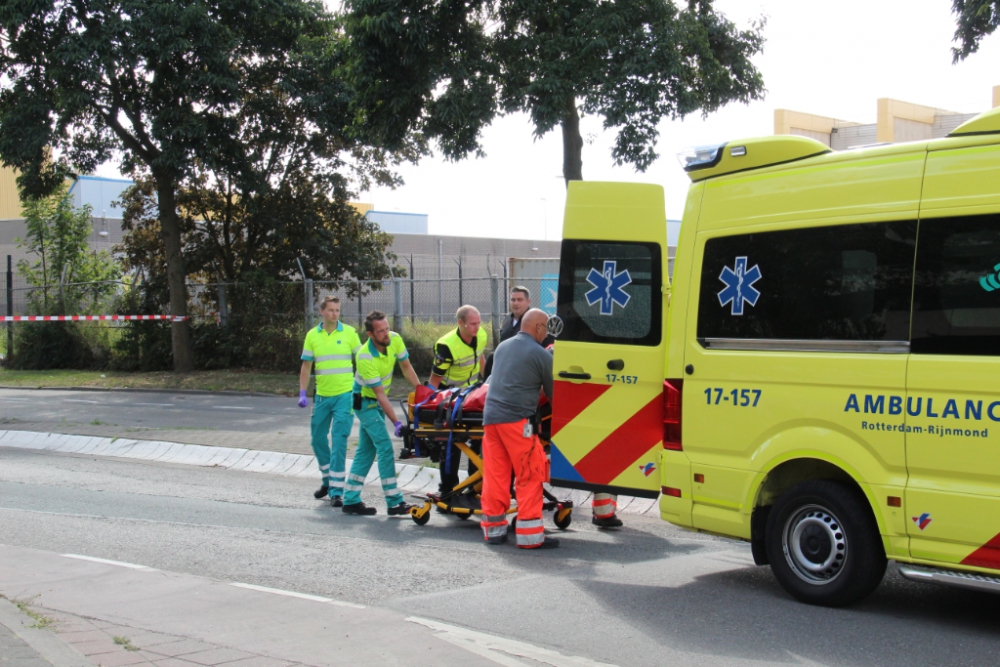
823,379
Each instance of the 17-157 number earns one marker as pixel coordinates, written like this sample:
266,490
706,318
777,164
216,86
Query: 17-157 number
740,397
624,379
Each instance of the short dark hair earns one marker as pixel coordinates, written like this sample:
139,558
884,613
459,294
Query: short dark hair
523,290
373,317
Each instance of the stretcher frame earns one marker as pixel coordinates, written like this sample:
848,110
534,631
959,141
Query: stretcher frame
413,433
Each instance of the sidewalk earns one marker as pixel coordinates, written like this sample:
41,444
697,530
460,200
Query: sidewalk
122,614
23,644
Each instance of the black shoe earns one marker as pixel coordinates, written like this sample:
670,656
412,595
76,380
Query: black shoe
336,501
321,492
607,522
549,543
360,509
402,509
497,540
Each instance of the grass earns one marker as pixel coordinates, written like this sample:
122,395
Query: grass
125,643
41,621
286,384
283,384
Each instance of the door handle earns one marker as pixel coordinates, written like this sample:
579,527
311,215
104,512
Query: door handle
574,376
616,365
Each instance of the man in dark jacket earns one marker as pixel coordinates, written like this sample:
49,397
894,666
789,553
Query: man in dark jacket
520,303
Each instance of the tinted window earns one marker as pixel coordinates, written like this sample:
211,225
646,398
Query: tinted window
850,282
956,296
610,292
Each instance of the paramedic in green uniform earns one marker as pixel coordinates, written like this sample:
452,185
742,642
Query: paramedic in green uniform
376,360
330,347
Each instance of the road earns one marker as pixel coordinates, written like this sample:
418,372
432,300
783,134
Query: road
649,594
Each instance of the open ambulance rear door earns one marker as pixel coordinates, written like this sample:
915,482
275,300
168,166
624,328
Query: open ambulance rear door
607,422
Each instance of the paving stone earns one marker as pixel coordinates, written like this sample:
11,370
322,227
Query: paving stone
175,662
93,647
119,658
260,661
15,653
180,648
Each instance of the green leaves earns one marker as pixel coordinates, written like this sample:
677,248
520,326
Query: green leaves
976,19
445,69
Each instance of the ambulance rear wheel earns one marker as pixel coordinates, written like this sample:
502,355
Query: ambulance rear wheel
824,545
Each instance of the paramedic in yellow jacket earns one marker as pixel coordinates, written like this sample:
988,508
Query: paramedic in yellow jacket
459,361
330,348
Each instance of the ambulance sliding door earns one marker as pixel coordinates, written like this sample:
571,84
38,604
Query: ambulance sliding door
607,424
953,378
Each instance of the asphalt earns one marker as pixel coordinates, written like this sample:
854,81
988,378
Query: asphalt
648,594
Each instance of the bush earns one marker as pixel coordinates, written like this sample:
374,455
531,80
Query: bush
47,345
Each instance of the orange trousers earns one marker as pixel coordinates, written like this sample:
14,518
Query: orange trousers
507,451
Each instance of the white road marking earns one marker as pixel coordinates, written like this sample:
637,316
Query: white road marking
503,651
230,407
105,561
155,405
293,594
8,398
80,400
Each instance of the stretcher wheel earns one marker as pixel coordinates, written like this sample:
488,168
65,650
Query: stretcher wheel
563,518
420,515
463,517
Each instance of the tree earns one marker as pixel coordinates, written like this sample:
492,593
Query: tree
446,68
57,233
158,83
976,19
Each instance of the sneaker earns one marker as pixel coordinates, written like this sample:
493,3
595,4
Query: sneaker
336,501
360,509
497,540
321,492
402,509
607,522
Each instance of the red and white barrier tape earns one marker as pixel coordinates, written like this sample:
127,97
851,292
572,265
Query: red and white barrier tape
87,318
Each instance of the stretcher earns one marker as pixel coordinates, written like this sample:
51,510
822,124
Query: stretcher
435,418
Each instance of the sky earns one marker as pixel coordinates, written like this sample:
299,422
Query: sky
829,58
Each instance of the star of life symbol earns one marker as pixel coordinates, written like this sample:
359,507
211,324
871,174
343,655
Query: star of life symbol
739,286
608,286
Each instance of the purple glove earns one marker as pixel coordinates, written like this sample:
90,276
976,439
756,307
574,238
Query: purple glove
399,429
303,401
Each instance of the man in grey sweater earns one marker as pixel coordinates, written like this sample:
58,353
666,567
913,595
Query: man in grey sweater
522,368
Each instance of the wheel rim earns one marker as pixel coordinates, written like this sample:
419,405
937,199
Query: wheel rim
815,544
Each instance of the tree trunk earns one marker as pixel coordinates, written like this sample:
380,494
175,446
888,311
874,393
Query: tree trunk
170,228
572,143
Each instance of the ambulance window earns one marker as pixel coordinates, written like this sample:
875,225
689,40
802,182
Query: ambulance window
610,292
846,282
956,296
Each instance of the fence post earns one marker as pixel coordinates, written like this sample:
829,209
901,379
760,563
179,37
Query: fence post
309,306
361,310
461,300
223,308
495,307
413,312
397,304
10,309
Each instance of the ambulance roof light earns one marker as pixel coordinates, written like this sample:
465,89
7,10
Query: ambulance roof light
700,157
708,161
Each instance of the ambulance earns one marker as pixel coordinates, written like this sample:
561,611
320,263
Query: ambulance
822,379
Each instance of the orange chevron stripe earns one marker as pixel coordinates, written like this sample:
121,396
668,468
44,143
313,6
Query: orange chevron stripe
571,399
987,555
628,442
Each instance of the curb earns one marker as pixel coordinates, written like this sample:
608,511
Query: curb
410,478
44,642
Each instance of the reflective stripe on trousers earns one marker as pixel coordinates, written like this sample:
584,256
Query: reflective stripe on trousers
530,533
604,505
494,525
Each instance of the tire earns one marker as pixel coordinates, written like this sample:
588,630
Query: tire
563,524
824,545
421,520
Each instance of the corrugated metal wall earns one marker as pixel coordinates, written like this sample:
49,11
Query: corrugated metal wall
10,202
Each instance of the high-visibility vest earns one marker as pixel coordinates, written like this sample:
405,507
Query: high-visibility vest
332,354
375,368
463,367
